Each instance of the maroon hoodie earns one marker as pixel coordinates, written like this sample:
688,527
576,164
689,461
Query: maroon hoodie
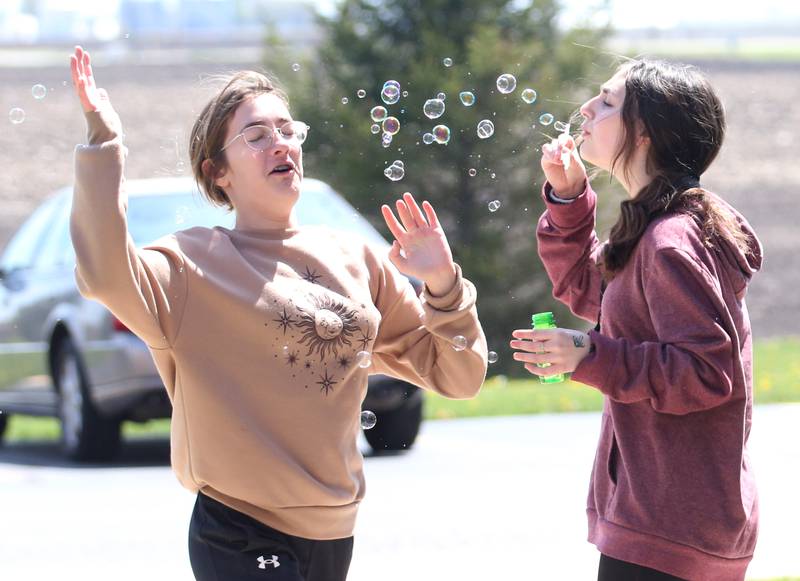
672,486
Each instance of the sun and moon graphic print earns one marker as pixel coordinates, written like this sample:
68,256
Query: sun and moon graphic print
321,335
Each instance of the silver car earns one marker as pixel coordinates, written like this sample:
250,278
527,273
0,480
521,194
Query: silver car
65,356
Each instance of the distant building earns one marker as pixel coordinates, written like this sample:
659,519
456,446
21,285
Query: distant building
163,22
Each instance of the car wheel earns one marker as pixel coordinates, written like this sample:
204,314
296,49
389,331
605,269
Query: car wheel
85,435
396,429
3,425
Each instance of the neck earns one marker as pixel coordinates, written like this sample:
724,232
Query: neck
636,177
251,221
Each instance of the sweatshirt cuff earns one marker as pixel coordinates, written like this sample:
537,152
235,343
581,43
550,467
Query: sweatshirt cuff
450,301
568,213
595,368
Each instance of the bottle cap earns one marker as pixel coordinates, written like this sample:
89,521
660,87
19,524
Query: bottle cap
545,319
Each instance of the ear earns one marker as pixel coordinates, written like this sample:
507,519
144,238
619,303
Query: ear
219,176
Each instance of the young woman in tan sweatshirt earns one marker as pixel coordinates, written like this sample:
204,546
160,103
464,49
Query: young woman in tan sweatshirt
261,333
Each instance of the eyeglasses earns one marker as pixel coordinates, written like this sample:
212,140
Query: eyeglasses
261,137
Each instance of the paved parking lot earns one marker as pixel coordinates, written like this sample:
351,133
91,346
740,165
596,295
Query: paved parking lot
491,498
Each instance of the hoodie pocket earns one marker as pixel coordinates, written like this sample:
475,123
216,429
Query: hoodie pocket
613,457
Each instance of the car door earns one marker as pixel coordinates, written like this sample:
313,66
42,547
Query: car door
25,297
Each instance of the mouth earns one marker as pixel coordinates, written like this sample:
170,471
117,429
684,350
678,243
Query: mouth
283,169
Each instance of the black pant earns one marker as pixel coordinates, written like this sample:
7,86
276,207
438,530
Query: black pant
615,570
226,545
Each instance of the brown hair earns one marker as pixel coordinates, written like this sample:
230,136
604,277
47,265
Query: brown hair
208,134
677,109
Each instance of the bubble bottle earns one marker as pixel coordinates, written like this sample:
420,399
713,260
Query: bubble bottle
546,320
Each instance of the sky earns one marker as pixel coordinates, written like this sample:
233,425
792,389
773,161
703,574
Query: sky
625,13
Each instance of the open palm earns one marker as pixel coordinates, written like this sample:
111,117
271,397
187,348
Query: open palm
91,97
420,248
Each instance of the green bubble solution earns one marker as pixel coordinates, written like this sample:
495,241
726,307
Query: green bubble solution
546,320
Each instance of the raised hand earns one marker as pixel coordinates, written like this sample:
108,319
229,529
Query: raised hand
91,97
563,166
420,248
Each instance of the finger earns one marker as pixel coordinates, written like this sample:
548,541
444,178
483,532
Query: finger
530,346
433,219
522,334
87,65
534,358
396,257
535,370
536,334
413,208
405,215
103,94
391,221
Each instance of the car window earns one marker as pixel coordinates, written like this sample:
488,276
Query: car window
23,247
321,205
151,217
56,247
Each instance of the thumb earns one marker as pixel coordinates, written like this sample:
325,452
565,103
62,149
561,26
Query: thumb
396,257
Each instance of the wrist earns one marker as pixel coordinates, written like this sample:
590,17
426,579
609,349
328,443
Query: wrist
442,282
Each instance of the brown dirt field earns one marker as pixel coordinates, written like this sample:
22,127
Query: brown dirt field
757,170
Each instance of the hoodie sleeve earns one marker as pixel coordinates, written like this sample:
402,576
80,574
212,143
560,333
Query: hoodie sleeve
416,338
145,289
693,366
569,248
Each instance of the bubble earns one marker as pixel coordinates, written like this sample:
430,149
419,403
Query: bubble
378,113
485,129
375,128
399,163
433,108
405,94
472,172
391,92
39,92
295,67
467,98
561,127
180,214
492,175
448,62
16,115
529,96
459,342
491,357
546,118
345,100
428,138
361,93
494,205
368,420
441,96
395,172
441,133
506,83
391,125
363,359
386,139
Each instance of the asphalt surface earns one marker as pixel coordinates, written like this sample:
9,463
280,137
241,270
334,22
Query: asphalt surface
490,498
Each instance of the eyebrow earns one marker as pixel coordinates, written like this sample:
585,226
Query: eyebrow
279,122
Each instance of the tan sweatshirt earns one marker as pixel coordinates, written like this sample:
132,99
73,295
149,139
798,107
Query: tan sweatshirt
256,335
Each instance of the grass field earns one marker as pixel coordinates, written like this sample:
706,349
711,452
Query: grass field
777,379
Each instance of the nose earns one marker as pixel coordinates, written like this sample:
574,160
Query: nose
281,143
586,110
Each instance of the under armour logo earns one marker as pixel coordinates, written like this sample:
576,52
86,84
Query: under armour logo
262,562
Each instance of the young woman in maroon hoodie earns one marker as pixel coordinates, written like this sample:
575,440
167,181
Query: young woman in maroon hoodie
672,493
